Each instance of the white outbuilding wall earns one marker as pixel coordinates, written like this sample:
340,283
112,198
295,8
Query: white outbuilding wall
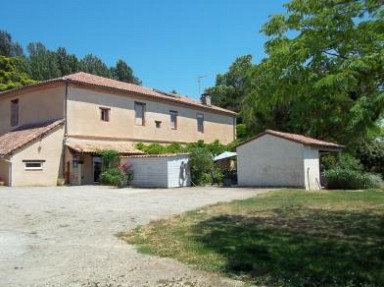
271,161
159,171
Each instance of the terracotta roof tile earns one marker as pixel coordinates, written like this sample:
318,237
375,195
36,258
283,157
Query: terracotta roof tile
25,134
95,146
86,78
92,80
158,155
298,138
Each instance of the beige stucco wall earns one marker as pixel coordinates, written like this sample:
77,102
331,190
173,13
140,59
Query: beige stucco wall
84,119
270,161
34,106
50,149
4,171
312,168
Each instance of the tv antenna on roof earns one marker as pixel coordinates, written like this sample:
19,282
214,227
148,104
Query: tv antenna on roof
199,82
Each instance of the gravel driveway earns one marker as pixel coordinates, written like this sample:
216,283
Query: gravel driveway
64,236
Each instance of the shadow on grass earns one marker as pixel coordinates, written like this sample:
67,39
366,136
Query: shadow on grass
299,247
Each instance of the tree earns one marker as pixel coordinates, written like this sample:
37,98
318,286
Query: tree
43,63
123,72
67,63
324,73
12,73
7,47
230,87
94,65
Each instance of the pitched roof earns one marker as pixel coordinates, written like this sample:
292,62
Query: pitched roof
95,146
101,82
25,134
299,139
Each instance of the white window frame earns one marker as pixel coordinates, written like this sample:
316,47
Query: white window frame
33,162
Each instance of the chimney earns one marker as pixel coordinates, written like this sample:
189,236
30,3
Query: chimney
206,99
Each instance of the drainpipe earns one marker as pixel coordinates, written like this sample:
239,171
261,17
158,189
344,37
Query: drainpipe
234,127
65,128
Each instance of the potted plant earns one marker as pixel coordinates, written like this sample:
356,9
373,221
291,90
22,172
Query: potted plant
60,181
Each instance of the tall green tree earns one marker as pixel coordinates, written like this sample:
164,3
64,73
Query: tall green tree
324,73
12,73
8,48
94,65
123,72
67,63
43,64
229,89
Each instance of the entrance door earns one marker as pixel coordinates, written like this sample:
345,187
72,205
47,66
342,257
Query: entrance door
96,168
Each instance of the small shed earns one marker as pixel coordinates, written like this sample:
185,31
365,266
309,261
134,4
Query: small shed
278,159
159,171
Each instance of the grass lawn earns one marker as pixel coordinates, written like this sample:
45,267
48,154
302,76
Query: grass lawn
282,238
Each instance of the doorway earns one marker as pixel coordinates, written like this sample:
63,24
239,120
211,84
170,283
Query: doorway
96,163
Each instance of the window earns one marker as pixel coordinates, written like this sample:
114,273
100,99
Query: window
158,124
200,122
33,164
104,114
14,112
140,114
173,115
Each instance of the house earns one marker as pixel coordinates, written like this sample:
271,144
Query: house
278,159
56,128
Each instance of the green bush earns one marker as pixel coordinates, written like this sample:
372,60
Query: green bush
346,172
110,176
110,158
201,165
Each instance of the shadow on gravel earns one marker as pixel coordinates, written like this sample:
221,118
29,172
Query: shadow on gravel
295,246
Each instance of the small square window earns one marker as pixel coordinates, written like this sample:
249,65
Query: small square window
104,114
158,124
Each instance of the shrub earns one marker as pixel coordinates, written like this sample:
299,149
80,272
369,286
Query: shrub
110,176
126,174
110,158
371,156
201,165
346,172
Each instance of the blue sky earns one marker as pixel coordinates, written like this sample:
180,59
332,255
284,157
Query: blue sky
168,43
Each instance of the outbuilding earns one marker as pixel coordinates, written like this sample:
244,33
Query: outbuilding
159,171
279,159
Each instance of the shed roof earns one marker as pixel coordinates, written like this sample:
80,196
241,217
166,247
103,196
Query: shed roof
101,82
25,134
158,155
299,139
93,146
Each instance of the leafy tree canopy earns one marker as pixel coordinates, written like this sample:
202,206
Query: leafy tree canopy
12,73
123,72
42,64
230,87
7,47
324,73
